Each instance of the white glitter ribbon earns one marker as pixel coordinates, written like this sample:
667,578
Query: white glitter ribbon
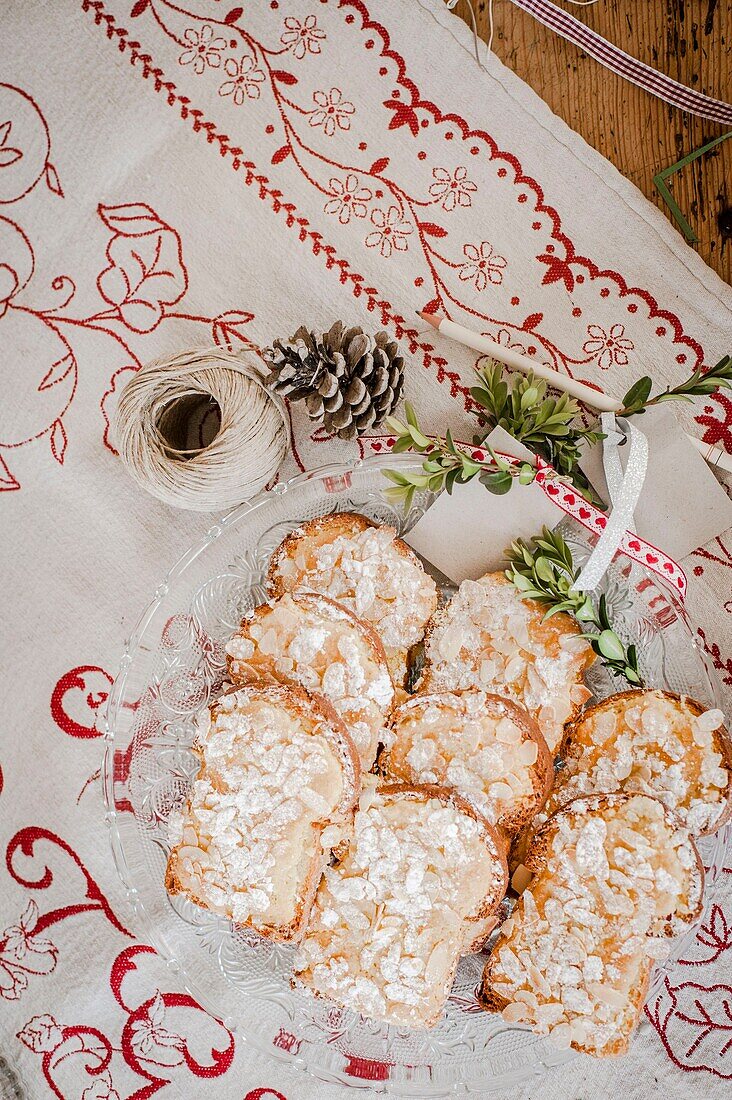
624,489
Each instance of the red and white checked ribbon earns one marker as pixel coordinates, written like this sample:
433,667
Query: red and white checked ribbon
620,62
573,504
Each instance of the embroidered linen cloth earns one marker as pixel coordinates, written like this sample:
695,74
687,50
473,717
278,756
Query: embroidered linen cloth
177,173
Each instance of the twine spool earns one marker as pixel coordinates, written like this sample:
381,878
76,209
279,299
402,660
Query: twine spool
200,430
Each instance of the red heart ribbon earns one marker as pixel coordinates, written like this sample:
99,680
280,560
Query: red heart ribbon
572,504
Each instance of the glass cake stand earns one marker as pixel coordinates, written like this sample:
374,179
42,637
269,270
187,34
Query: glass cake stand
173,665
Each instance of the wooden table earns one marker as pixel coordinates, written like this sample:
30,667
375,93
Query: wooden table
691,41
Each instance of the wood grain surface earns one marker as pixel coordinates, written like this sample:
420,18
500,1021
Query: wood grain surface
691,41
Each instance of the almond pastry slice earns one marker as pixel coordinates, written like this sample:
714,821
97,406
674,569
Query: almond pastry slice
422,874
309,639
656,743
488,637
487,748
613,874
276,791
366,568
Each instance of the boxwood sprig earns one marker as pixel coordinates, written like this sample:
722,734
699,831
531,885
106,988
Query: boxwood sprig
544,570
698,384
445,465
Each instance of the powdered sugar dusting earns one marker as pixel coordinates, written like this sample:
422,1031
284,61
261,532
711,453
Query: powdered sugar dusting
474,743
271,777
392,918
368,573
655,744
490,638
310,640
574,956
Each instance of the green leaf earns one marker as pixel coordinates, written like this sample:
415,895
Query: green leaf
396,426
520,581
499,482
396,477
420,440
638,393
610,646
404,443
527,474
410,414
586,613
482,397
450,480
557,608
544,570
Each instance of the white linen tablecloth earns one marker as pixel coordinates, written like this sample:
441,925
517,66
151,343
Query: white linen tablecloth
173,173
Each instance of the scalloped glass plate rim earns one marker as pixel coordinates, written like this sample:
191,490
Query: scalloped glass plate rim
393,1087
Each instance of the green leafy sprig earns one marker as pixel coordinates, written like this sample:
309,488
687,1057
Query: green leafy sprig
638,398
549,426
445,464
544,570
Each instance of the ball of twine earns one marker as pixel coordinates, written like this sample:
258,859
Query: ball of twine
163,428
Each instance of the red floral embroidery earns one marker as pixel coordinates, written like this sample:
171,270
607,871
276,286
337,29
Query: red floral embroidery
301,38
25,146
245,79
8,153
24,844
145,270
608,347
202,49
155,1036
348,198
41,1033
23,953
331,111
695,1026
714,936
101,1088
150,1032
482,266
452,189
718,429
391,232
77,698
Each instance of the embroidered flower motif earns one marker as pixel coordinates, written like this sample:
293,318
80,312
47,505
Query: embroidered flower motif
22,953
41,1034
331,111
483,266
149,1032
302,38
101,1088
245,79
348,198
391,231
452,191
609,347
203,49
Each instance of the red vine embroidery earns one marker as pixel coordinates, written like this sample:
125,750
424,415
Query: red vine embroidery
25,842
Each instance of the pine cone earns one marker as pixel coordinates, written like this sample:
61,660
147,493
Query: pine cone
349,380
